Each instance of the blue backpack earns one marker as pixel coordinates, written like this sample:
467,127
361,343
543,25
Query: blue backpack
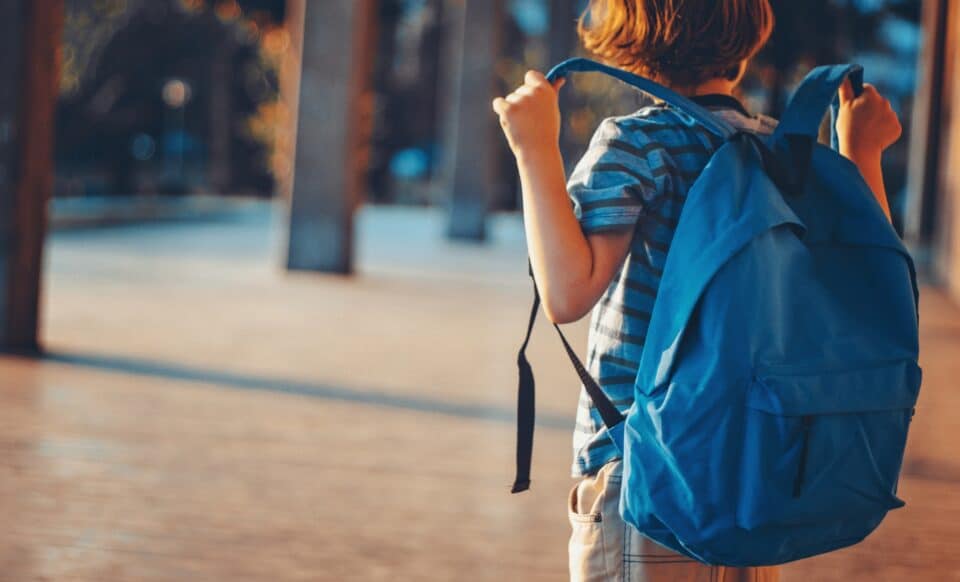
779,375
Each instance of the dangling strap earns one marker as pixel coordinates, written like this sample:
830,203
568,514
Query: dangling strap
526,402
526,397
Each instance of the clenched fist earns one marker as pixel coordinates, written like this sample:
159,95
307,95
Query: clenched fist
530,116
866,125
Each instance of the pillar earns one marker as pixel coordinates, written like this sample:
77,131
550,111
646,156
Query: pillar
332,129
471,124
30,33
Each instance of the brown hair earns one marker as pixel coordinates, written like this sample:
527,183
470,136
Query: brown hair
678,42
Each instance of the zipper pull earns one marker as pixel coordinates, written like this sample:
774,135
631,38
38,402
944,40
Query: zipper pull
805,422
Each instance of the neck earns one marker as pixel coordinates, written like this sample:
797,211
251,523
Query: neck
713,86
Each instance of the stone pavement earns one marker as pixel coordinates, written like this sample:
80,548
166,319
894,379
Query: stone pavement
204,416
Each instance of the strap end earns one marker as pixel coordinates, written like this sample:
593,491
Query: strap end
520,486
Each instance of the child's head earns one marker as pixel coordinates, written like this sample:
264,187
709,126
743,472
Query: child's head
681,43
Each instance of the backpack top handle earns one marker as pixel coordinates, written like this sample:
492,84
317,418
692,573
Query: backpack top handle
713,123
817,92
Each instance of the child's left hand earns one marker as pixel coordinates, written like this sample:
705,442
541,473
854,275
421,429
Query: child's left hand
530,116
867,124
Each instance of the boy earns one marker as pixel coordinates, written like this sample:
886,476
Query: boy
606,252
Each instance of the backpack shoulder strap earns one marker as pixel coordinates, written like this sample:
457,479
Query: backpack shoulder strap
714,123
809,103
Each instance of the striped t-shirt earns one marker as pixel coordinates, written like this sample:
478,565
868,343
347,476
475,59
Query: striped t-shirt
635,175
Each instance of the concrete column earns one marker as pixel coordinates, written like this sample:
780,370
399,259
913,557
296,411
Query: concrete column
30,33
331,131
947,239
471,125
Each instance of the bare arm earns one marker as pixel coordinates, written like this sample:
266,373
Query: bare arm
869,165
866,126
572,269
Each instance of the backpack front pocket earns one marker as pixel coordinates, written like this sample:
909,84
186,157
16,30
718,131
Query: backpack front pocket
824,445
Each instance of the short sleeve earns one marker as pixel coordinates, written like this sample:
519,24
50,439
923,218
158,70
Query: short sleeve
612,185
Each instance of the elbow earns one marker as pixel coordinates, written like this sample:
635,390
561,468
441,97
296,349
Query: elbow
560,310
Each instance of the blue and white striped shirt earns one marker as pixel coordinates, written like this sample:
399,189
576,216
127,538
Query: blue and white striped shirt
635,174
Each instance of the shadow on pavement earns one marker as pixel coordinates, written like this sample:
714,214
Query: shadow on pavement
180,373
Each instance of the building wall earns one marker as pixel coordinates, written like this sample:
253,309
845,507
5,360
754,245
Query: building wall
948,232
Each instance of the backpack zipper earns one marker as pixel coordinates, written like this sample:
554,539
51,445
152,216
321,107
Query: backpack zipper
805,422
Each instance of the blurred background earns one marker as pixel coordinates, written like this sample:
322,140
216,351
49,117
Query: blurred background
263,278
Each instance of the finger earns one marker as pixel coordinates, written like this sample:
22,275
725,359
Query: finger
500,106
525,91
869,91
514,97
846,91
559,83
535,78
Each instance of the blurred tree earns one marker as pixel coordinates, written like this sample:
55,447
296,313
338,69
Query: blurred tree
562,43
805,33
407,108
521,49
113,90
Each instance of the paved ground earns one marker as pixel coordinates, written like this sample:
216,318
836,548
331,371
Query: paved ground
205,416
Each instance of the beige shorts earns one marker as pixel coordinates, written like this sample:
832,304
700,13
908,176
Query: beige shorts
603,548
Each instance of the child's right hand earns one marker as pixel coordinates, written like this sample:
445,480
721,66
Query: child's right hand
866,125
530,116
